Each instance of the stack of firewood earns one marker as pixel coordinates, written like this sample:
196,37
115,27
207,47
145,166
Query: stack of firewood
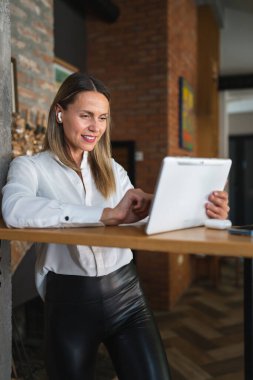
28,131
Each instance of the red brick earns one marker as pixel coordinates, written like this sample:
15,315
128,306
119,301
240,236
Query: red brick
141,57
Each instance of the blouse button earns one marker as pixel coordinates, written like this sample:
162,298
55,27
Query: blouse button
66,217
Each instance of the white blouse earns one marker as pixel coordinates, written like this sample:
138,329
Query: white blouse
42,192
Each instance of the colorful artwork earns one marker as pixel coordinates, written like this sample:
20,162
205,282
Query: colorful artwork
62,70
186,113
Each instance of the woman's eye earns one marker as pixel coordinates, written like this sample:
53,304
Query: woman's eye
102,118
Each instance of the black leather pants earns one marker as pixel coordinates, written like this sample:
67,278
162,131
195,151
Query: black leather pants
81,312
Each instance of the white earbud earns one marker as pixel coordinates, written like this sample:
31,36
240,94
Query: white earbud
59,117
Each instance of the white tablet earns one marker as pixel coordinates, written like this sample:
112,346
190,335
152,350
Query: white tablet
182,190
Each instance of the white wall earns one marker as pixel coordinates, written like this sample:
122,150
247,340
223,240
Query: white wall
236,116
240,123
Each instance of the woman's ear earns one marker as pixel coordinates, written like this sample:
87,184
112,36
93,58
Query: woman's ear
59,117
58,114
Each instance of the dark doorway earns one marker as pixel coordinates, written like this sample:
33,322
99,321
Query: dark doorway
124,153
241,179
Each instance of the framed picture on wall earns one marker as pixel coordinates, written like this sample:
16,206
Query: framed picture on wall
62,70
186,115
14,90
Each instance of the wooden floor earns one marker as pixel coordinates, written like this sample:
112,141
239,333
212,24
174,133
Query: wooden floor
203,334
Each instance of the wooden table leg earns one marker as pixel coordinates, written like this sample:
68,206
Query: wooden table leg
248,318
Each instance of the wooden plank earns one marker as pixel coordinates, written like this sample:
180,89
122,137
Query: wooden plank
193,240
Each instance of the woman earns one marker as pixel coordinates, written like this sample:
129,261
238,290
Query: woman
92,294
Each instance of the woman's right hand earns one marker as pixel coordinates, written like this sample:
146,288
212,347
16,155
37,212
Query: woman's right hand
133,207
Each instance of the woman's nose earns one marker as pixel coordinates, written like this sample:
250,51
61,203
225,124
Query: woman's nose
94,125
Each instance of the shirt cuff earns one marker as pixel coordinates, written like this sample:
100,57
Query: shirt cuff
78,216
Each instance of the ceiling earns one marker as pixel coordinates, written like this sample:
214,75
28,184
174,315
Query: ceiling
236,50
239,5
235,18
236,42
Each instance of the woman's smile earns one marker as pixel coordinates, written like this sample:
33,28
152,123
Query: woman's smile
89,139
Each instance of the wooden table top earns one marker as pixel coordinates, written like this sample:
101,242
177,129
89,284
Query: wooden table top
199,240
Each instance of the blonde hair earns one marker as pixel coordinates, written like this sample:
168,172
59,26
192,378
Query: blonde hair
100,158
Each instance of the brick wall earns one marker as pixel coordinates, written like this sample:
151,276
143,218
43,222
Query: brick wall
182,61
208,98
140,57
32,46
130,56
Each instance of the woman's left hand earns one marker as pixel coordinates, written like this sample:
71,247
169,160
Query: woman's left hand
217,207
